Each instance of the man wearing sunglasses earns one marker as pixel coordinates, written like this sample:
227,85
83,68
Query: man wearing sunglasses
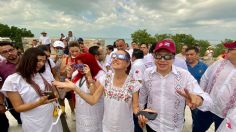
7,67
167,89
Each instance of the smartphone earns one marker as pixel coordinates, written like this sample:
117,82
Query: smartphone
50,94
78,66
148,115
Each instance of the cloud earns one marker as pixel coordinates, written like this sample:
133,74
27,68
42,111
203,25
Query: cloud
119,18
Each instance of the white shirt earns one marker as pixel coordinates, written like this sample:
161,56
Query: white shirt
180,62
181,56
72,38
137,69
148,60
2,58
40,118
48,72
219,81
88,117
45,40
229,123
159,92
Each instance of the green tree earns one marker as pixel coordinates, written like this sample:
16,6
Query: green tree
203,46
141,36
183,39
220,47
160,37
15,34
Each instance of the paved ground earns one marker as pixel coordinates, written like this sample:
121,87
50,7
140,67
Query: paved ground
14,127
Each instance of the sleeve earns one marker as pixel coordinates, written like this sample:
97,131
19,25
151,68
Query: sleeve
137,72
101,79
137,86
52,63
143,93
206,76
193,87
10,84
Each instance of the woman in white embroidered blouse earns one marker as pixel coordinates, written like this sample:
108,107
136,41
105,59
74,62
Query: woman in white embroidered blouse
25,91
120,94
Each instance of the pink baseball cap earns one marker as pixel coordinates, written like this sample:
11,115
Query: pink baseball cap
166,44
230,45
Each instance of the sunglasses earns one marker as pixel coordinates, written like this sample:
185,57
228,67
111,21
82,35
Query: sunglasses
119,56
7,51
165,57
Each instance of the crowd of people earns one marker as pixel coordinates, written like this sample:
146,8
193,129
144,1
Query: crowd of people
107,88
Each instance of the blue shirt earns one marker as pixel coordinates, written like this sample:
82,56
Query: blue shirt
198,70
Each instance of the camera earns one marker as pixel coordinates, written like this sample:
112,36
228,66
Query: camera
50,94
78,66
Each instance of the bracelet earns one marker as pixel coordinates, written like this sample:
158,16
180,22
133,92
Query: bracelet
91,84
91,81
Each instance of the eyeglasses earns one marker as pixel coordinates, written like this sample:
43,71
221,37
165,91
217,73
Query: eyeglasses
165,57
7,51
119,56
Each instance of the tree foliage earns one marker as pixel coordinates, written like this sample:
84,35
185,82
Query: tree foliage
220,47
15,34
142,36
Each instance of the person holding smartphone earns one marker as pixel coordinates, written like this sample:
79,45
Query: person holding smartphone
88,118
25,89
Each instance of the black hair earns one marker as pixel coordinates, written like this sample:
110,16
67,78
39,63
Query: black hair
73,44
44,48
152,47
28,63
192,48
138,54
94,50
114,44
120,40
144,44
4,43
110,47
80,40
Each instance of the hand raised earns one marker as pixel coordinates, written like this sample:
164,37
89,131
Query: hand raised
192,100
64,85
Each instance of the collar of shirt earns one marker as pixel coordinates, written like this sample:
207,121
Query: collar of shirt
138,61
173,70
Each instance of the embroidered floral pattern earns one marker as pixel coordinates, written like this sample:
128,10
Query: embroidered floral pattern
122,94
217,73
179,102
230,104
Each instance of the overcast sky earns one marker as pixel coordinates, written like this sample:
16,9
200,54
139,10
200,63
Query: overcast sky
204,19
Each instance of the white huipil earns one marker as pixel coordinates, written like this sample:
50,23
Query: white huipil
118,112
159,92
88,117
219,81
40,118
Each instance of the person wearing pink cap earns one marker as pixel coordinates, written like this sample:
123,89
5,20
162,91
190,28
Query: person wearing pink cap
219,81
167,89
